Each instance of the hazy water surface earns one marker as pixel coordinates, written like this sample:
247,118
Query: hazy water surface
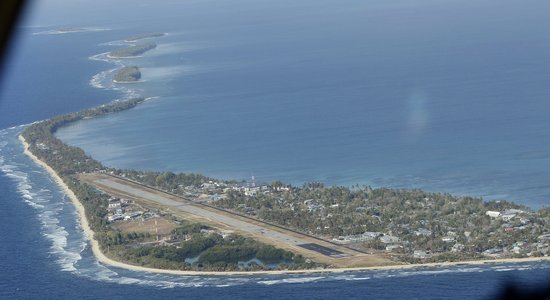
448,96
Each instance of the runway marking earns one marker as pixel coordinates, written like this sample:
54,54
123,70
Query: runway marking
324,250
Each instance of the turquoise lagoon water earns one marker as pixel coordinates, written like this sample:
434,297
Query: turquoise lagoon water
447,96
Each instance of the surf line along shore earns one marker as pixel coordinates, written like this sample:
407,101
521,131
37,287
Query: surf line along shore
102,258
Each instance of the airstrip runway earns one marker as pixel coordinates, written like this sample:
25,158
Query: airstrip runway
309,246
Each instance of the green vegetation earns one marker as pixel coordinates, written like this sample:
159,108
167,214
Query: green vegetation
68,161
64,159
144,36
439,223
127,74
188,229
167,181
210,252
227,253
216,252
446,227
269,253
411,225
132,51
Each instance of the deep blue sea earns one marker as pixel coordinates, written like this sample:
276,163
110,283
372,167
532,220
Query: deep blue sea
448,96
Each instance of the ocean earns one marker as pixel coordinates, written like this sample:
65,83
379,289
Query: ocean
445,96
448,96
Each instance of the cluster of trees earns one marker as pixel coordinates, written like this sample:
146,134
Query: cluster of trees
335,211
127,74
341,211
216,253
133,50
210,252
187,229
95,204
112,238
187,249
167,181
68,160
313,208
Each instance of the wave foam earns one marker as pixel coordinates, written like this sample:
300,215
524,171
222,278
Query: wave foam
104,79
48,204
70,249
291,280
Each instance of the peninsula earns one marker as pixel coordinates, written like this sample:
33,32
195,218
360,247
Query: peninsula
167,222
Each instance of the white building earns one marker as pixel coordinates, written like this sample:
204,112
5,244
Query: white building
389,239
493,214
423,231
114,205
448,239
392,247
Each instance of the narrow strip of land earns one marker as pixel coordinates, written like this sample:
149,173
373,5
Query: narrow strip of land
309,246
104,259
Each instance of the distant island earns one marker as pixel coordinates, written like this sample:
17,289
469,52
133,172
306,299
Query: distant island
192,224
65,30
70,29
144,36
336,228
127,74
132,51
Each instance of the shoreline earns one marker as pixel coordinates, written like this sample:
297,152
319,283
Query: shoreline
122,57
127,82
154,35
102,258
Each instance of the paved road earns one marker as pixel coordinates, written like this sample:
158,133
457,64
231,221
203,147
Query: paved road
304,244
198,211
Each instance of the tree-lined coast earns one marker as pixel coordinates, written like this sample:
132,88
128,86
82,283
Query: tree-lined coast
436,228
185,241
132,51
128,74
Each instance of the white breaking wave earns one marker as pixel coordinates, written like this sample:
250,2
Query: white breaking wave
101,79
69,247
291,280
104,79
49,205
115,43
60,225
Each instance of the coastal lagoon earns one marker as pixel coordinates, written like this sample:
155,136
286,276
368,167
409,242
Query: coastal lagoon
450,96
444,96
50,258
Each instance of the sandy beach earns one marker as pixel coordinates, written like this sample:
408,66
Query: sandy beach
102,258
122,57
127,82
